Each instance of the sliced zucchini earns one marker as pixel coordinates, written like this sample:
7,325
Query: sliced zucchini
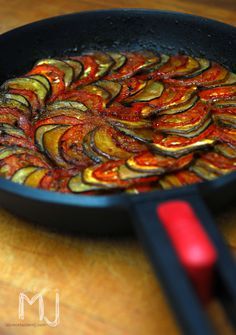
18,97
76,65
104,61
77,185
225,150
20,175
152,90
42,80
60,104
226,103
103,143
8,151
38,136
12,103
163,60
129,124
119,60
51,140
62,66
204,65
112,87
27,83
33,180
180,108
142,134
126,173
204,173
87,148
94,89
11,130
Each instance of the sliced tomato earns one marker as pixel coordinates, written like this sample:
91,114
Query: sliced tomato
71,144
218,93
9,140
90,100
118,111
54,76
215,74
185,121
130,87
219,161
63,119
90,68
226,115
135,61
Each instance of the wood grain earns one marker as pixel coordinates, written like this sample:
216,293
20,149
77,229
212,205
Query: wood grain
106,287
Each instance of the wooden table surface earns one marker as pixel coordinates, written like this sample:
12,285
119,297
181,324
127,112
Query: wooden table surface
106,287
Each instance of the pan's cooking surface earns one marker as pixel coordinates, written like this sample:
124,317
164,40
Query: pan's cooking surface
72,34
102,122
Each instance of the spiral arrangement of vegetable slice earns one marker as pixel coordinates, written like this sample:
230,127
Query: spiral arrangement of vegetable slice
133,122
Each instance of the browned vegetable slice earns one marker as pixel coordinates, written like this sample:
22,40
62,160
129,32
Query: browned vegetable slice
184,122
88,150
171,97
214,75
226,103
226,150
57,180
71,144
225,116
27,83
135,62
180,108
95,89
204,64
14,117
20,175
119,60
18,97
62,66
146,73
227,135
77,67
153,163
177,146
218,93
178,179
152,90
103,142
66,104
110,86
176,66
203,173
217,163
42,79
77,185
51,139
12,103
34,179
130,86
38,136
8,151
143,134
104,61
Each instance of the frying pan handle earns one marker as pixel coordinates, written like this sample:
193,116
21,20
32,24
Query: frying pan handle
165,255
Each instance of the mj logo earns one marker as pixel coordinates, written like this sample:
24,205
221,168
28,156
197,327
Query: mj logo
23,297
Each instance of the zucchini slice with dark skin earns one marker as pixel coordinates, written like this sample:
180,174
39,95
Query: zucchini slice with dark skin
14,117
226,103
112,87
8,151
42,80
217,163
225,150
202,172
34,179
225,116
20,175
141,134
104,144
38,135
212,76
27,83
62,66
126,173
152,90
51,140
66,104
184,122
12,103
179,179
18,97
130,87
204,65
153,163
76,185
227,135
87,148
119,60
95,89
171,97
180,108
177,146
77,67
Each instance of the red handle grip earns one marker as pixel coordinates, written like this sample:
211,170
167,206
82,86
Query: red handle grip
195,250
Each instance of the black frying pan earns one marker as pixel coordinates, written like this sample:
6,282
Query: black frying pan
125,29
